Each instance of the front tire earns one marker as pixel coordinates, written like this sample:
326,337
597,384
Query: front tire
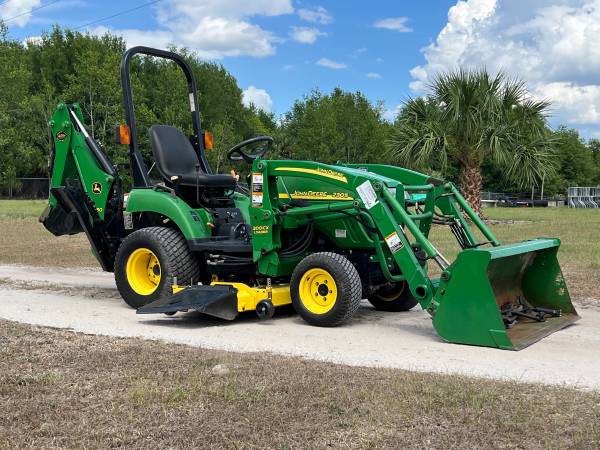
147,262
395,298
325,289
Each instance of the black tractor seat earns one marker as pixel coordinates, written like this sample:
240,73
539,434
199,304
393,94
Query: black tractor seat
176,157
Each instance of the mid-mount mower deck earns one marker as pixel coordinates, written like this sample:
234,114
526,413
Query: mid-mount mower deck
320,237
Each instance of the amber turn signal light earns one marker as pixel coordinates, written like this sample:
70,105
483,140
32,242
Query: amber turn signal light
123,134
208,140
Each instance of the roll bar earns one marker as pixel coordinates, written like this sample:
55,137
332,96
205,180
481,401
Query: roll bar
138,168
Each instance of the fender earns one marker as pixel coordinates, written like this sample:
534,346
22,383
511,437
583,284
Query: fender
191,222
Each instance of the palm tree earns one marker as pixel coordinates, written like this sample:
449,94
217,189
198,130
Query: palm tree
469,117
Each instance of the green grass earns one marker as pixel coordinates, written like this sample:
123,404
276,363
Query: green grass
26,241
22,208
577,230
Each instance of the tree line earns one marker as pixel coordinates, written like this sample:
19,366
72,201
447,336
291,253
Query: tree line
65,65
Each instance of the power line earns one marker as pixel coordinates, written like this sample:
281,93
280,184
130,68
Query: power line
31,10
117,14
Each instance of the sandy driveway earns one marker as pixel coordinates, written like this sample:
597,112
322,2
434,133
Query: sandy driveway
89,303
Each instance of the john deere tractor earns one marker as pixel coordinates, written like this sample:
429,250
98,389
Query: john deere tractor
320,237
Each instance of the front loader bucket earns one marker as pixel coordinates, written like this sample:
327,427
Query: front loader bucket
506,297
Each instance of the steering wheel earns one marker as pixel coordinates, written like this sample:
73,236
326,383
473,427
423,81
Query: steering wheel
237,154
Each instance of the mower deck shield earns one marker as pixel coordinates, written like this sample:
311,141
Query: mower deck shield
507,297
217,301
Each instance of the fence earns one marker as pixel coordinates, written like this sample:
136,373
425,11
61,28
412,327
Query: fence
492,196
584,197
30,188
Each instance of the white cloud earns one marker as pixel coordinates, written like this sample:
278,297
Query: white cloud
257,97
214,29
306,35
49,13
373,75
288,67
331,64
390,114
553,46
394,24
32,40
233,9
576,104
156,39
13,8
315,15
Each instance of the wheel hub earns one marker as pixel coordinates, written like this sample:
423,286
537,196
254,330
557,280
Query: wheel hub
323,290
318,291
143,271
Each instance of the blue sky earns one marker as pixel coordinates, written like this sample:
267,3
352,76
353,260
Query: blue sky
281,49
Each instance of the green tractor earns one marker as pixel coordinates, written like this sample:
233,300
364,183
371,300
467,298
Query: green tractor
320,237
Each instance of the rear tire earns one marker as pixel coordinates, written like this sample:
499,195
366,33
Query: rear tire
326,289
147,262
394,298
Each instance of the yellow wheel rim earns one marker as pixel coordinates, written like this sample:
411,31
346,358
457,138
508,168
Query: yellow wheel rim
318,291
143,271
392,295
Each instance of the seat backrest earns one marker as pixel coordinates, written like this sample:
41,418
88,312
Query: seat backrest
173,152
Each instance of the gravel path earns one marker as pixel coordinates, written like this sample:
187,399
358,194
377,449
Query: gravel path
86,301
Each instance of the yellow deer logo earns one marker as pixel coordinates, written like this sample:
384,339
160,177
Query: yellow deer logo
97,188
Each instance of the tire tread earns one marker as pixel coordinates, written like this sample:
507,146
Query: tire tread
181,262
349,288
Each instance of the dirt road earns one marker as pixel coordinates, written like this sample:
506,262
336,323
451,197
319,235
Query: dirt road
87,301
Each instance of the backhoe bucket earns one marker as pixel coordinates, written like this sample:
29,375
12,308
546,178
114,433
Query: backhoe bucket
506,297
